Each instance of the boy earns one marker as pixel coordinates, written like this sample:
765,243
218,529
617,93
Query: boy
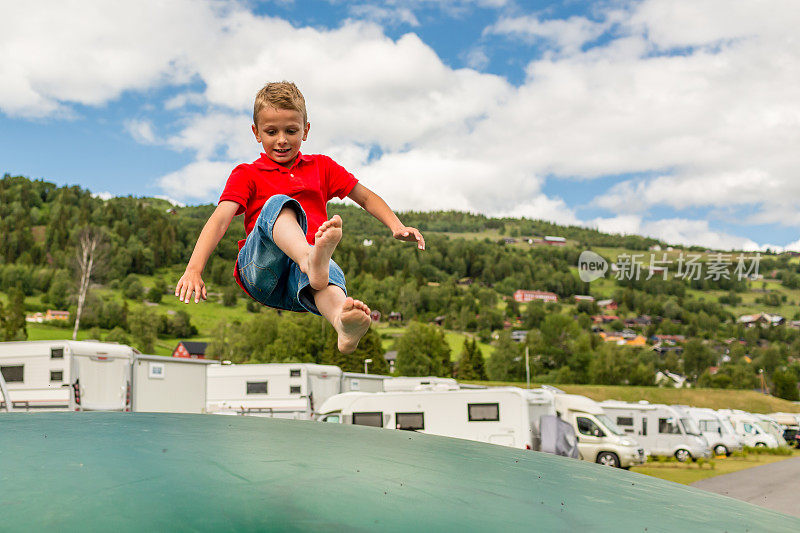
285,261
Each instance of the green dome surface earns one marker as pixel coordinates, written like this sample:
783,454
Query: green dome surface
175,472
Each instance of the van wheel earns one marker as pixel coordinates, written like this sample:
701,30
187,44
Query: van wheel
608,459
761,445
683,455
720,449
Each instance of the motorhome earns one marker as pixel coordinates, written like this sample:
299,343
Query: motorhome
67,375
720,435
660,429
353,381
508,416
280,390
748,429
790,422
771,426
599,438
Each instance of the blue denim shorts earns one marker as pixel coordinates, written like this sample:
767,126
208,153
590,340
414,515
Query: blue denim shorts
268,275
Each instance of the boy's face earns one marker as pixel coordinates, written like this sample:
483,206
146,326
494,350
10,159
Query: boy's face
280,132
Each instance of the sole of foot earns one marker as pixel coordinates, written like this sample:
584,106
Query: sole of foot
354,322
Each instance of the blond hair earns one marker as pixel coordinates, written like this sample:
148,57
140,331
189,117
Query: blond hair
280,95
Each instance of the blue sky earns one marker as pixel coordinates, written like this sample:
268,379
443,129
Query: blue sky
672,118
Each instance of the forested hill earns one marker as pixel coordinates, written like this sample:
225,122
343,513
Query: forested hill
463,282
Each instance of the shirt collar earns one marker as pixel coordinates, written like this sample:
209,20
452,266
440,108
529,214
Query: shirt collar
265,163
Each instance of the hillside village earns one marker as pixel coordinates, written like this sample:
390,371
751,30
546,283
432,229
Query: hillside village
484,293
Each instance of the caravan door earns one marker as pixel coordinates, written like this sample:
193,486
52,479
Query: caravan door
102,382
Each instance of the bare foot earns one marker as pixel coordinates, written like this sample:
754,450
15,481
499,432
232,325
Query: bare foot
325,240
352,323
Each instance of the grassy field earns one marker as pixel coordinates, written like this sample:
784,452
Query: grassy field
746,400
687,473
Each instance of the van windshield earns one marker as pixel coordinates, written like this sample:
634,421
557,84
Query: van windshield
690,427
608,423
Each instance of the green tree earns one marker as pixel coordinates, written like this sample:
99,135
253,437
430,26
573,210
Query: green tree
230,295
696,357
143,328
506,363
14,325
785,385
423,351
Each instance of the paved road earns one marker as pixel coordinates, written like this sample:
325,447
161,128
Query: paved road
775,486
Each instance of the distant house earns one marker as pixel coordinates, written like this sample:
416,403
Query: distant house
669,339
583,298
465,281
519,335
638,322
524,296
761,319
554,241
604,319
509,240
56,315
670,379
395,316
190,350
367,242
439,320
607,304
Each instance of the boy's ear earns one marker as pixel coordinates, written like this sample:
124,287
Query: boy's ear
255,132
305,131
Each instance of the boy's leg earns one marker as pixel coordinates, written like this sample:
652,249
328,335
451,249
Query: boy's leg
349,317
312,260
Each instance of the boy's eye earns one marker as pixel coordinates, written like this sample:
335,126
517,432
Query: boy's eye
291,132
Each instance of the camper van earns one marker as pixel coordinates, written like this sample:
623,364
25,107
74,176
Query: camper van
508,416
660,429
772,427
790,422
720,435
599,439
67,375
748,429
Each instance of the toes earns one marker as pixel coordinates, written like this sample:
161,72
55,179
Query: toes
349,304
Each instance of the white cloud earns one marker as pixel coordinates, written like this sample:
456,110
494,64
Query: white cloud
141,131
105,195
567,35
200,181
386,15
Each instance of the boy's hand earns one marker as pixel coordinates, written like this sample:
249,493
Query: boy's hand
407,233
191,282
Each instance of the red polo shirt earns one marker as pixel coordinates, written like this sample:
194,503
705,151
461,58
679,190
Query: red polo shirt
312,180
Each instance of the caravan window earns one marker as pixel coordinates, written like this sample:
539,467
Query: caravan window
256,387
368,419
56,375
668,426
412,421
294,373
294,389
14,373
56,353
483,412
644,427
624,420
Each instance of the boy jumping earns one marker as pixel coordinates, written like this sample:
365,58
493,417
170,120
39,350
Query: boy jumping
285,262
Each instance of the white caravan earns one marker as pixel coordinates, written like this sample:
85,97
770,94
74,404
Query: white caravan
719,433
661,429
353,381
508,416
280,390
599,439
96,376
747,428
66,375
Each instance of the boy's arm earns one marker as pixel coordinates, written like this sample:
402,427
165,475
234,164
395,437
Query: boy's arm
375,206
215,228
